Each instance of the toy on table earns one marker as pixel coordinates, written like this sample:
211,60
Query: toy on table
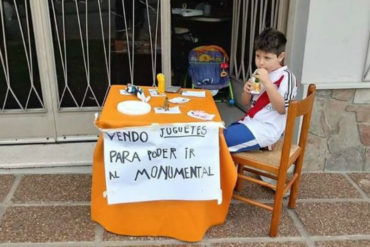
166,104
142,97
133,89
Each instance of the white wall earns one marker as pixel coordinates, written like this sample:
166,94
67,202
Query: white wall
337,40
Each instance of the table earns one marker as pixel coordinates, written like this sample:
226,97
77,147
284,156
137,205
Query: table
183,220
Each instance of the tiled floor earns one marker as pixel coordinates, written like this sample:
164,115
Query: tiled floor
53,210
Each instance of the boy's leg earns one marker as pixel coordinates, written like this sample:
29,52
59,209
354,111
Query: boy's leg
239,138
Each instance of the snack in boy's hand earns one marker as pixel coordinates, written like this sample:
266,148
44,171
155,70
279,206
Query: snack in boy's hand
256,85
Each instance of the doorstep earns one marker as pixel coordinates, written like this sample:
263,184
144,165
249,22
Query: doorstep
46,155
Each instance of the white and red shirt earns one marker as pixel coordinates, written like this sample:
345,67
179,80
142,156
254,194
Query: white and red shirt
266,124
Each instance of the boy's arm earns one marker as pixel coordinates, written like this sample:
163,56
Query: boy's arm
275,97
246,94
276,100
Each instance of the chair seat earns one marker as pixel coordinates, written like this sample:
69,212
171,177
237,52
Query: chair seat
268,160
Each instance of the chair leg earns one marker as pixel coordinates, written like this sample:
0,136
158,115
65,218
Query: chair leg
293,193
238,186
294,188
278,203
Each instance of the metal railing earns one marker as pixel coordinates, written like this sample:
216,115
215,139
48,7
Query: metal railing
94,29
250,17
19,80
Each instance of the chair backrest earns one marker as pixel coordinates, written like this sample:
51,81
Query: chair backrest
297,109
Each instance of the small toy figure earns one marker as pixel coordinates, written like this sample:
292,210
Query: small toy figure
133,89
141,96
166,104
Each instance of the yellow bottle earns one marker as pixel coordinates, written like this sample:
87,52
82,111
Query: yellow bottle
161,83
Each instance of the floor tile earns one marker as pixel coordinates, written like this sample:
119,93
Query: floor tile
312,186
239,244
245,220
44,188
6,182
255,191
347,243
47,224
169,245
362,180
107,236
163,245
340,218
323,186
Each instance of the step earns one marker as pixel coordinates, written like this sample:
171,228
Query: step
75,154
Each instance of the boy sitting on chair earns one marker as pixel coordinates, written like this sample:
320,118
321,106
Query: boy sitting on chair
264,121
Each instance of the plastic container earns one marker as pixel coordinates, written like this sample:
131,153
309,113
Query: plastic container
161,83
256,85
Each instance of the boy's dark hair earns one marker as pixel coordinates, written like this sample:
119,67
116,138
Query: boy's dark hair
270,40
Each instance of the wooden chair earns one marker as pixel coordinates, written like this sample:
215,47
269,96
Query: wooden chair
274,164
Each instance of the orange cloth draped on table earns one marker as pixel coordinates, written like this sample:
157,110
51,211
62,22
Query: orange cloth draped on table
183,220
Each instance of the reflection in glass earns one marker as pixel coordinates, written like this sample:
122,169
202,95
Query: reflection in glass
100,43
20,86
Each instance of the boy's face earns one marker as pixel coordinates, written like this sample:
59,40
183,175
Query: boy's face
268,60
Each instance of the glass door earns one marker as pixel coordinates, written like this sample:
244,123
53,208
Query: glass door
25,109
98,44
58,59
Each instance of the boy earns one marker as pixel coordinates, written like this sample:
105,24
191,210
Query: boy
264,121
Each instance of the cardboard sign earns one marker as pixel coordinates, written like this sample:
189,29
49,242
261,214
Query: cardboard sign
163,162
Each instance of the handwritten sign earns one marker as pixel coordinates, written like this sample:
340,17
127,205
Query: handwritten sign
162,162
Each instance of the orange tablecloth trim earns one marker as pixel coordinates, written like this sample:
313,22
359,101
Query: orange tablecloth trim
183,220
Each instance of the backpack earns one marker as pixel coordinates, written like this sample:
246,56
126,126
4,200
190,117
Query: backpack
208,67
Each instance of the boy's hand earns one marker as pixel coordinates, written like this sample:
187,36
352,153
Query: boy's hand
248,87
263,75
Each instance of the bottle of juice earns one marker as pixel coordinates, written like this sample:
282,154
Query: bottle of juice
257,87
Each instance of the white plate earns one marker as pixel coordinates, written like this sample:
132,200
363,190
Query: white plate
133,107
